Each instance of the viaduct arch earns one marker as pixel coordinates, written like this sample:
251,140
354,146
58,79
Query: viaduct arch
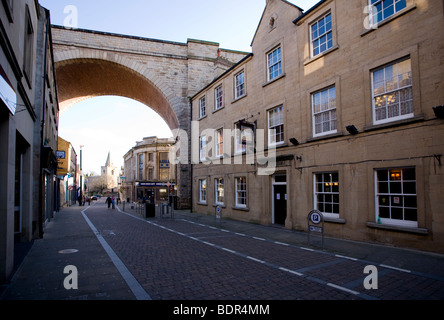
160,74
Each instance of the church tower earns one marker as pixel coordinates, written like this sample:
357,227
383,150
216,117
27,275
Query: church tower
110,172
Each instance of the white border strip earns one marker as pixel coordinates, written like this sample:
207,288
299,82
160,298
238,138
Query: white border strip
132,283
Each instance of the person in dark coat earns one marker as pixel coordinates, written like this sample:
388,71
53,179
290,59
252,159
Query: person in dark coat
109,201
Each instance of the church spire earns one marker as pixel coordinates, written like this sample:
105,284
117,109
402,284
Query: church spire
108,160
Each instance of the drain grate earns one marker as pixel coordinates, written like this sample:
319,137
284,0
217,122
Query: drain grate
68,251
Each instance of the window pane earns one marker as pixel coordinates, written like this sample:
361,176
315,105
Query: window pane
397,213
395,187
336,208
384,212
401,4
384,201
327,192
322,36
409,187
398,202
383,187
409,174
329,197
392,91
328,208
410,202
324,111
382,175
411,215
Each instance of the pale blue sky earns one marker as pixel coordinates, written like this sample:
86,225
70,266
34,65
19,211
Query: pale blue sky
115,124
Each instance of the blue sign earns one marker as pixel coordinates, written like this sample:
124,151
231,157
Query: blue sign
152,184
164,163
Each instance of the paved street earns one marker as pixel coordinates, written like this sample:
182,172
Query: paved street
122,256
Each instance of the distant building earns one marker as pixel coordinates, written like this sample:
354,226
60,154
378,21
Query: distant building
106,182
148,172
67,172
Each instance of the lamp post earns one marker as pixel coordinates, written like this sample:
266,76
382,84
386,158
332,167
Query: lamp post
81,174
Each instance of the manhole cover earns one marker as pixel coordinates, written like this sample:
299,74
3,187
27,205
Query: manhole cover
68,251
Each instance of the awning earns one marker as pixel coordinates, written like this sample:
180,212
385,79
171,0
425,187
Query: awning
7,93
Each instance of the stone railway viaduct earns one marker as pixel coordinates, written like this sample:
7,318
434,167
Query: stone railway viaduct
160,74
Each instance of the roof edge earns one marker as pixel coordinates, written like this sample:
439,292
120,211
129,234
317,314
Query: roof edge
317,5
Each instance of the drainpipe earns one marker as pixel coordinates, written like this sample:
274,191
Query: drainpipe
42,130
190,156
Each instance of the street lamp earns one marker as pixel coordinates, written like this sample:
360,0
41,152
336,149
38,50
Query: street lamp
81,174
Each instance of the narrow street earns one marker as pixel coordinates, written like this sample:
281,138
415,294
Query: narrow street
183,259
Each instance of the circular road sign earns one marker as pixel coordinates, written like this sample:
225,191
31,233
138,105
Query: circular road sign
315,217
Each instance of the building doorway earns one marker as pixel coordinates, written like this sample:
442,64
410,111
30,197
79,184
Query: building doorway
279,199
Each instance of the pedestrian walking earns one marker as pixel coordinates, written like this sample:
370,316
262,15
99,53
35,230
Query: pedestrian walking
113,201
108,201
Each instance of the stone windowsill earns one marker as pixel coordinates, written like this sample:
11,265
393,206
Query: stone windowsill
420,231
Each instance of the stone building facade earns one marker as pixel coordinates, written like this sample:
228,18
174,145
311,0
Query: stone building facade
347,103
160,74
148,173
28,127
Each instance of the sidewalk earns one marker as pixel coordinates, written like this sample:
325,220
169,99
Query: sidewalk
41,277
41,274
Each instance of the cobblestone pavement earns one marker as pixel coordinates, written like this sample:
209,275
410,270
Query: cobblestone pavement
180,259
123,256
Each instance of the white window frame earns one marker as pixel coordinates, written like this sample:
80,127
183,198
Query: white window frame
203,149
326,184
219,187
331,110
219,98
379,98
272,127
219,142
239,87
393,196
239,147
379,16
203,190
202,107
274,62
327,33
241,193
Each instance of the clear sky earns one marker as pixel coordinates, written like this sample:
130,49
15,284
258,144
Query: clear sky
115,124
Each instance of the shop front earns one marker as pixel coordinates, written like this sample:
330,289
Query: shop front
154,192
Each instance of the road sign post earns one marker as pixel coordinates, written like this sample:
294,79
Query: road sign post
316,224
218,214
